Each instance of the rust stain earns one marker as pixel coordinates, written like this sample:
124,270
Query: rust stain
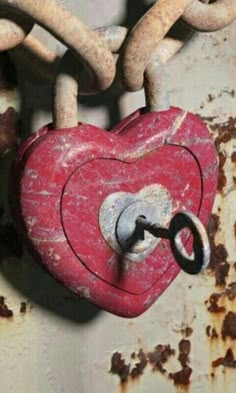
211,332
227,361
229,326
139,367
182,377
160,356
214,307
157,359
23,307
119,367
211,97
187,332
222,180
233,157
218,260
5,312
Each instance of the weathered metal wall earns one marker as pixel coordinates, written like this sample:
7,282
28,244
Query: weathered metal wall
50,340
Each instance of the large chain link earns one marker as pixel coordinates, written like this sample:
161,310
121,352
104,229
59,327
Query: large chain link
72,32
210,17
17,18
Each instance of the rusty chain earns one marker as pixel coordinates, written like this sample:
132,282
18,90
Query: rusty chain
145,46
70,31
67,81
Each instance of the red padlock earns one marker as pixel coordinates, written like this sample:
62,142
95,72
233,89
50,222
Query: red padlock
79,191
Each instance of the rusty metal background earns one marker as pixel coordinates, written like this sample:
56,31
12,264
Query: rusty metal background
53,342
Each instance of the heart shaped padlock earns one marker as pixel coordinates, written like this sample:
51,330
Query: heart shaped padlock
79,192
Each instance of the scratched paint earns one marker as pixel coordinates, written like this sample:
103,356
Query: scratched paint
64,344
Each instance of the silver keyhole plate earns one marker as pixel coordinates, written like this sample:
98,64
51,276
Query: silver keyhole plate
118,214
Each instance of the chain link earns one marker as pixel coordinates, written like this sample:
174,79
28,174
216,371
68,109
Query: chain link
145,37
17,18
69,80
71,32
210,17
14,27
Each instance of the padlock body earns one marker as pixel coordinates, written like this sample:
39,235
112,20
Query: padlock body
61,178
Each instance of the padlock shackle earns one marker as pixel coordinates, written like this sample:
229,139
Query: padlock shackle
72,32
67,86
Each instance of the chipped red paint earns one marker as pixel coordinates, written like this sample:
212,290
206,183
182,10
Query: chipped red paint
64,176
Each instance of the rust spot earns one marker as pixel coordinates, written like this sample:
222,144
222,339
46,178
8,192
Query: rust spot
211,332
187,332
221,273
210,97
208,330
222,180
214,307
119,367
23,308
214,333
227,361
233,157
9,127
230,292
5,312
213,226
218,261
226,131
184,351
182,377
235,232
139,367
160,356
229,326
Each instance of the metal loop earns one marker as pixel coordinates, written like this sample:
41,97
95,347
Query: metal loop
201,246
145,37
66,85
14,27
72,32
210,17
